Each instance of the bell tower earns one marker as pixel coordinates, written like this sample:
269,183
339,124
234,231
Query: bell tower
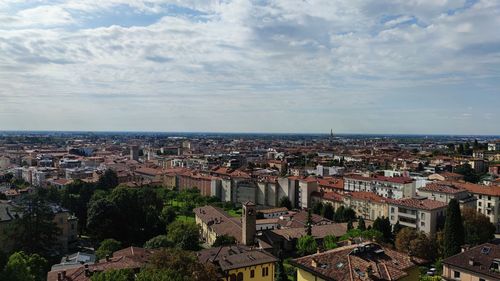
249,223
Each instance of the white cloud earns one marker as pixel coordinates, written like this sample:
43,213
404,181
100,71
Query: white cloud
244,58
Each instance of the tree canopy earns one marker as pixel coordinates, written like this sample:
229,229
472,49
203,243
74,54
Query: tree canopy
306,245
453,230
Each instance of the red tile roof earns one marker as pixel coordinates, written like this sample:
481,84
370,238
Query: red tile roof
423,204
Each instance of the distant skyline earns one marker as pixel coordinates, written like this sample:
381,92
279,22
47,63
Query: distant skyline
284,66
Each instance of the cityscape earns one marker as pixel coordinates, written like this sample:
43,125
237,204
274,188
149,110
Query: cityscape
249,140
209,206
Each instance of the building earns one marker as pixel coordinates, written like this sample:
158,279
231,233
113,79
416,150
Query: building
368,205
480,263
239,262
494,146
445,191
488,200
129,258
134,152
394,188
421,214
446,176
65,221
366,261
215,222
273,213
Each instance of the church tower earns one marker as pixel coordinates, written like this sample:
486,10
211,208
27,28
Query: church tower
249,223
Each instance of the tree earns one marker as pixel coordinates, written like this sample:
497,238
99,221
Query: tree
177,265
285,202
383,225
469,174
35,230
329,242
25,267
348,214
108,180
100,219
184,234
317,208
160,241
309,223
477,227
114,275
224,240
349,225
280,271
306,245
396,228
168,214
328,211
339,214
107,248
361,224
453,230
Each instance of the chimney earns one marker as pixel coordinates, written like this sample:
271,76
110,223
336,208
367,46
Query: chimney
108,258
471,261
314,263
465,247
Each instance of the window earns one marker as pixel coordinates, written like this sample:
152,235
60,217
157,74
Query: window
456,275
240,277
422,216
252,273
479,203
481,279
232,277
392,209
265,271
422,223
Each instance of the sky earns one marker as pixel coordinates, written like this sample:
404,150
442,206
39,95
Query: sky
354,66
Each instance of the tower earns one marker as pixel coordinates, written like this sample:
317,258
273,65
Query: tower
248,223
134,152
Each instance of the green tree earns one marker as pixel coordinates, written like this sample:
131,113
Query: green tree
396,228
280,272
177,265
168,214
184,234
349,225
306,245
309,223
383,225
477,227
107,248
361,224
114,275
108,180
453,230
25,267
328,211
285,202
317,208
348,214
35,230
160,241
330,242
224,240
469,174
339,214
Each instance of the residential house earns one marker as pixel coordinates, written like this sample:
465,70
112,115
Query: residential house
422,214
481,263
358,262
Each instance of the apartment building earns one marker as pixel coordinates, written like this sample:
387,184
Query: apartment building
480,263
421,214
445,191
368,205
388,187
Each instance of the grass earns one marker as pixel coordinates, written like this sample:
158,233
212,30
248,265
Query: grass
185,218
234,213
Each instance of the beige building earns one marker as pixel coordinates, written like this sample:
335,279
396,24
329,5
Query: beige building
445,191
367,204
421,214
480,263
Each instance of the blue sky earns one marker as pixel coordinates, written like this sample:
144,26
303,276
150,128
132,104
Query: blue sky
406,66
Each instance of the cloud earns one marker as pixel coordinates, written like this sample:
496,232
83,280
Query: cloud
284,60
